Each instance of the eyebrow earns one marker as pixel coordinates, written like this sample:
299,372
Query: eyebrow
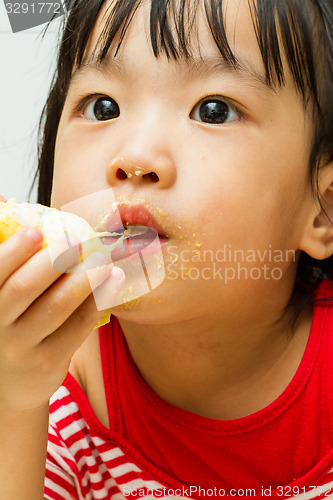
217,65
190,69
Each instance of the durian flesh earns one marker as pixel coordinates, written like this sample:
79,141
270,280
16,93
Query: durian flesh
53,224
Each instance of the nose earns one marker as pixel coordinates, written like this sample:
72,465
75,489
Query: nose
142,163
141,171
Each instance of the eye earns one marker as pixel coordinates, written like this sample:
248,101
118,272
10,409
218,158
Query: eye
214,111
101,109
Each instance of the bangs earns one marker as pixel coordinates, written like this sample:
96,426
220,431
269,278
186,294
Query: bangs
281,27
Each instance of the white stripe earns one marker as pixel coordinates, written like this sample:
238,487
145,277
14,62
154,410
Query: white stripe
52,430
98,441
93,477
60,464
60,394
60,449
112,454
123,469
60,413
81,462
115,452
59,452
110,483
79,445
72,428
100,494
56,488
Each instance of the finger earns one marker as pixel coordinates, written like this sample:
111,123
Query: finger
29,282
17,250
80,324
2,198
52,309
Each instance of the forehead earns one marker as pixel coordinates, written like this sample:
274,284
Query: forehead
273,38
187,31
278,36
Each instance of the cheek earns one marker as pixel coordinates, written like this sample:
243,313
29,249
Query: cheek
249,193
75,167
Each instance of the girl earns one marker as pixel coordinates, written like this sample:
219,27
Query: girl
213,120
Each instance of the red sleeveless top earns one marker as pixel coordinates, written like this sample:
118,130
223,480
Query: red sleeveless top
271,447
285,448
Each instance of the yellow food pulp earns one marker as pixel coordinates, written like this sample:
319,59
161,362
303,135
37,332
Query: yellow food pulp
104,319
10,226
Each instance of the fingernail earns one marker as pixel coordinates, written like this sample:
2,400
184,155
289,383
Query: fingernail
118,273
34,234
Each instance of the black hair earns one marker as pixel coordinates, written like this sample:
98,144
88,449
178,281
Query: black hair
301,29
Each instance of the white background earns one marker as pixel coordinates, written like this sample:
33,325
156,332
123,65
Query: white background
26,68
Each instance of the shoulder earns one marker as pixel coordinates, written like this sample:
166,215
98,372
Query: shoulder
85,359
86,368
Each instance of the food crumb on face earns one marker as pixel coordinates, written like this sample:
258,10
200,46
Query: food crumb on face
173,261
187,270
155,300
160,212
130,304
159,262
129,301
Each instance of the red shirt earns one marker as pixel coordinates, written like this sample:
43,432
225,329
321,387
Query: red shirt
286,448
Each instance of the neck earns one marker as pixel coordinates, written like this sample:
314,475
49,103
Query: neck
220,372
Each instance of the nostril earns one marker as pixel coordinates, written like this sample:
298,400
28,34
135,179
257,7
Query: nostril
120,174
151,176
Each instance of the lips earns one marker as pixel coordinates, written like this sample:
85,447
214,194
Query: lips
133,215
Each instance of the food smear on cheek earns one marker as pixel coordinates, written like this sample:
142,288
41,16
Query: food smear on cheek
188,239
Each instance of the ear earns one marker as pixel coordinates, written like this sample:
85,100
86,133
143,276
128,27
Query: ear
317,238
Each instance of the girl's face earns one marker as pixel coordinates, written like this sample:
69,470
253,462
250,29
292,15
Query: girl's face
228,162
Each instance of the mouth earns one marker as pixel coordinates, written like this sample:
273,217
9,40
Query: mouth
138,231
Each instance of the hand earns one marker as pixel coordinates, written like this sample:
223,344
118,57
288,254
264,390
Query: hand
44,317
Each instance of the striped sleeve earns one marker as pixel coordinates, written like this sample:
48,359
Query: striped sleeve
61,474
58,484
81,465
